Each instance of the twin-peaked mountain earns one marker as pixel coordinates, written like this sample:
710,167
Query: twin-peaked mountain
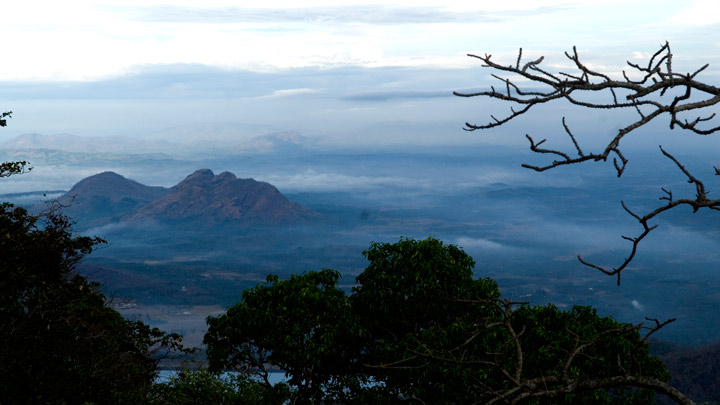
207,198
203,198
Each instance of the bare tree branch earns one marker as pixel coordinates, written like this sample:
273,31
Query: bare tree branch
530,388
658,78
650,97
701,201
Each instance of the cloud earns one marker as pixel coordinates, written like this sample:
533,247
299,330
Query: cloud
311,180
291,92
702,12
466,242
391,95
106,229
638,306
641,55
106,40
368,14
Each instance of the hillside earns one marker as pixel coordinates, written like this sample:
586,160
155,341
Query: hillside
202,199
206,198
695,370
106,197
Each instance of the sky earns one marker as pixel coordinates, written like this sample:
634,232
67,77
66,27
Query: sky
339,71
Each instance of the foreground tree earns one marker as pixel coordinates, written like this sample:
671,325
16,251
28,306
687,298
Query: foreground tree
302,326
60,341
419,328
441,336
413,295
655,90
191,387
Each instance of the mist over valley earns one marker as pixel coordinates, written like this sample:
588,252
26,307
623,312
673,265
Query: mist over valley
179,248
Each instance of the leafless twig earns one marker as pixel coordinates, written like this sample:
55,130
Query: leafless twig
649,97
657,79
701,201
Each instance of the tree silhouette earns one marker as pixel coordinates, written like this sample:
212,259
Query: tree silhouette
60,341
657,91
420,328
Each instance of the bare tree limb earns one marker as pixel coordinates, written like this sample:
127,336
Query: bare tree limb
658,78
701,201
530,388
660,91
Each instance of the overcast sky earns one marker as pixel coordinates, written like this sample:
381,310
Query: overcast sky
329,69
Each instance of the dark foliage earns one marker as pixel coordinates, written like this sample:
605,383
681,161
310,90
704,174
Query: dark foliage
294,325
419,327
9,168
191,387
60,342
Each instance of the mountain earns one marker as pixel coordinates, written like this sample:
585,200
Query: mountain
182,140
75,143
287,141
694,370
206,198
106,197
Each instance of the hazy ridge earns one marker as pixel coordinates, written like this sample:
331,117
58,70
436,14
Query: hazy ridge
523,229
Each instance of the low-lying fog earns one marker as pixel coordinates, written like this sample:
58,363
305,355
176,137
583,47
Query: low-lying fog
523,228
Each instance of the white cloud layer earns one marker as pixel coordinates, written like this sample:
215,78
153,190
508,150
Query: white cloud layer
88,40
470,243
290,93
702,12
311,180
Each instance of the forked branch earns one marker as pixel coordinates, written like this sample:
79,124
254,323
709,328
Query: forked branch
701,200
648,96
658,91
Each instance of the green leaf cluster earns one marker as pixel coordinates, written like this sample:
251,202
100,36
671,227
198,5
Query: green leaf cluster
294,325
7,169
190,387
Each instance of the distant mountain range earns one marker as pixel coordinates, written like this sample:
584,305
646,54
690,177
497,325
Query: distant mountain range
182,139
202,199
74,143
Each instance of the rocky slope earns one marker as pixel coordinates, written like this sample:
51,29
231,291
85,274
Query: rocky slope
106,197
202,199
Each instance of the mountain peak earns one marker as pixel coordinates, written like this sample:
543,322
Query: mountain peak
226,176
206,198
200,175
102,177
111,185
105,197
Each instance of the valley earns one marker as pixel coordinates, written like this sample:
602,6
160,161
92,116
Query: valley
523,230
